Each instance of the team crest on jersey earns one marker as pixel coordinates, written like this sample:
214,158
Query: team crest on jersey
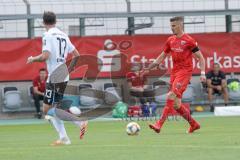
178,85
183,42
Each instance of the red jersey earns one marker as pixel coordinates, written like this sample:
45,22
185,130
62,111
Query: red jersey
180,48
41,85
135,79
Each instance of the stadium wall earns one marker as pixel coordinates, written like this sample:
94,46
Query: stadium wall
216,47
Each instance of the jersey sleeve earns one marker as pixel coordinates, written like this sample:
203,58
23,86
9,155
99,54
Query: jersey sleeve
193,46
35,83
166,47
46,43
71,47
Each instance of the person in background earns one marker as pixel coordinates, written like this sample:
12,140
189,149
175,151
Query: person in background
136,82
216,84
39,86
148,107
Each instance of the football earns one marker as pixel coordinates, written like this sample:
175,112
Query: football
132,128
75,110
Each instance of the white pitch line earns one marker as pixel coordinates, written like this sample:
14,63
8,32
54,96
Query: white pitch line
128,146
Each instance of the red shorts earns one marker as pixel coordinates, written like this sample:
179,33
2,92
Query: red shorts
179,82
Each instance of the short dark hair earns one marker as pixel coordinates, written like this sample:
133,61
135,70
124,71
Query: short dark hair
42,69
181,19
49,18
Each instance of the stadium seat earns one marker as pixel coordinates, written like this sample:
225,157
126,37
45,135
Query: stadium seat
161,88
189,94
11,99
87,96
82,86
73,98
108,85
112,93
30,93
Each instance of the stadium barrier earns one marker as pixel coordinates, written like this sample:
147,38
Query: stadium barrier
216,47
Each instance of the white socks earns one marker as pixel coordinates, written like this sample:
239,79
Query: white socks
59,126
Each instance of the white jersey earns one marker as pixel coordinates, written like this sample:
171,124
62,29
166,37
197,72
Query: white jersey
58,45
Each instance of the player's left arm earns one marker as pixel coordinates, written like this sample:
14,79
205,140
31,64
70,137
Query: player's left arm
46,50
200,58
75,55
40,58
74,60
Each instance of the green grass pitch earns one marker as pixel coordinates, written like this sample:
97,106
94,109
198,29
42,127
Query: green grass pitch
219,138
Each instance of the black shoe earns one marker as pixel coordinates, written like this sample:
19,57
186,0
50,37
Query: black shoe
211,108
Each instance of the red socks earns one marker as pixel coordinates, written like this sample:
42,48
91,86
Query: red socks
186,114
168,106
183,111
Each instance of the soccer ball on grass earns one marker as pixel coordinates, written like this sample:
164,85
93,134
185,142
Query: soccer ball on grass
132,128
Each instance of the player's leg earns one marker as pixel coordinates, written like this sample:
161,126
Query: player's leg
60,87
158,125
49,110
210,98
179,86
83,127
225,93
185,113
37,99
169,105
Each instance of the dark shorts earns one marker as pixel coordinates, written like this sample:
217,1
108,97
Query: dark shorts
54,92
216,92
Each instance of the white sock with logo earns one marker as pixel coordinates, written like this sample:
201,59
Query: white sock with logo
62,131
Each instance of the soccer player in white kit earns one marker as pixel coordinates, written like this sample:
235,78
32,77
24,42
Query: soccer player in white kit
55,49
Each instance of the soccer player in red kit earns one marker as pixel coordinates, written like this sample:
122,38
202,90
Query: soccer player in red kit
182,48
136,82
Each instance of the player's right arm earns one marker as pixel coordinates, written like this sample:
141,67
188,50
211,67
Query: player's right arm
160,58
40,58
46,48
158,61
